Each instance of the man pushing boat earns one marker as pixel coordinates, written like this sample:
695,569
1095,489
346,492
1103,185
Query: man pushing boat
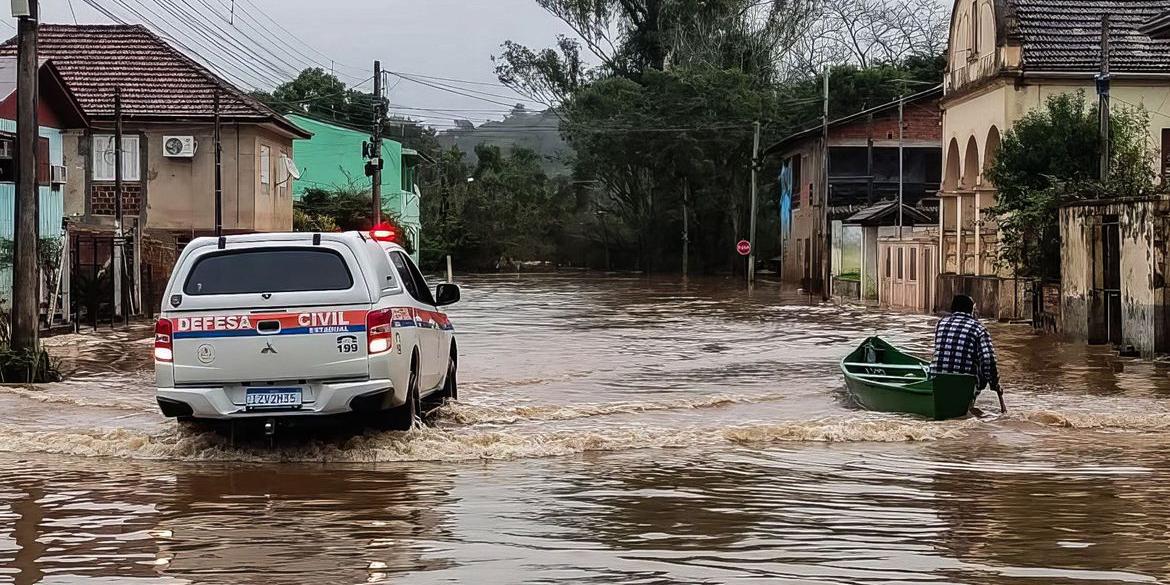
962,345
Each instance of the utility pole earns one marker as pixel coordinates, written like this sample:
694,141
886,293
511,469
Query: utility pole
826,236
376,176
1103,99
218,172
118,231
751,268
686,229
25,271
901,159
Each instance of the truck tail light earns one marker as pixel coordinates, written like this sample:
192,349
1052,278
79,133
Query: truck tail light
164,348
378,326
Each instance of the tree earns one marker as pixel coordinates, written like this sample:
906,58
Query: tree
1052,156
319,93
341,208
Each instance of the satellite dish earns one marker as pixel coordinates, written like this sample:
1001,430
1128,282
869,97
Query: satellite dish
293,171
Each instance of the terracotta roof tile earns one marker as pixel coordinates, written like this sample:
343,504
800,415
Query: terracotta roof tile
1065,35
157,80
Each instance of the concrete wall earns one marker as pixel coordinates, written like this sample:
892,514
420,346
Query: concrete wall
1076,273
1002,299
1142,227
870,277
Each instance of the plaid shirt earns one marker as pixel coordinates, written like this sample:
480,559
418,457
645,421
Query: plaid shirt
963,346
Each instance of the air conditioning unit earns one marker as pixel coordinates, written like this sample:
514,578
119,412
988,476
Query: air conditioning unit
179,146
58,174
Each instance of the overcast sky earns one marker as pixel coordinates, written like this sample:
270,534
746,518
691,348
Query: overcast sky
440,38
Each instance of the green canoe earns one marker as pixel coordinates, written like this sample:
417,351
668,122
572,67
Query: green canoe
884,378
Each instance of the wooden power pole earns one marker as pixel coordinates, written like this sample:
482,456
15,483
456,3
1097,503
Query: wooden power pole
1103,99
25,269
119,232
376,175
218,170
826,235
686,235
751,267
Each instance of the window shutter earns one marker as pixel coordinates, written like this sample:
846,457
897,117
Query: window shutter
43,161
131,167
103,155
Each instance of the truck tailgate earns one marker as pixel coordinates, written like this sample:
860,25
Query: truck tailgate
223,347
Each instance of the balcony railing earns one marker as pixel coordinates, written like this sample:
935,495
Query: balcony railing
981,68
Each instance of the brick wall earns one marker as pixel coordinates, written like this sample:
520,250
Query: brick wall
923,121
101,199
160,251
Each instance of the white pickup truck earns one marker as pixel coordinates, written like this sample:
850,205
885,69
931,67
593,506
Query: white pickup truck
277,325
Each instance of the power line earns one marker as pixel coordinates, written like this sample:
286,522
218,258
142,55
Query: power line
242,67
216,33
235,75
277,40
291,35
454,91
416,79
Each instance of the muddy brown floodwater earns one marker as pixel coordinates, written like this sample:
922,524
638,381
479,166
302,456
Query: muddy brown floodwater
613,430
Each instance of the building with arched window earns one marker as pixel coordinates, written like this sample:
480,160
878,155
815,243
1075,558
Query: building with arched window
1005,58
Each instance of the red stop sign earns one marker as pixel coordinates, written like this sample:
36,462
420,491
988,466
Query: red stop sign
744,247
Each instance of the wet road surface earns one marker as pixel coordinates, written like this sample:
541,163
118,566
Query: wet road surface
613,430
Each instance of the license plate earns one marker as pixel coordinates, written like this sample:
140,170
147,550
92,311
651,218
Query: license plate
272,398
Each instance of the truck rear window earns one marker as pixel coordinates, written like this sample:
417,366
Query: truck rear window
268,270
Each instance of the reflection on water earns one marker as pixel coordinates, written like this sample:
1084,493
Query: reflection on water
613,431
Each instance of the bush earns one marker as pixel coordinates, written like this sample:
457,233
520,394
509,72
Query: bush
27,366
1052,156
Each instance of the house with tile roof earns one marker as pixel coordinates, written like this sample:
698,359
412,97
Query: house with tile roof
1005,58
168,155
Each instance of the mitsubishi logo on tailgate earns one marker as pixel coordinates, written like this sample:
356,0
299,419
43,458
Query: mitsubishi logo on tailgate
268,348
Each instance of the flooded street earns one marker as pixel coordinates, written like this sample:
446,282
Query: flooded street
612,430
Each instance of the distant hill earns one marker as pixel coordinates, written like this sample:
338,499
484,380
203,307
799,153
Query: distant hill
536,131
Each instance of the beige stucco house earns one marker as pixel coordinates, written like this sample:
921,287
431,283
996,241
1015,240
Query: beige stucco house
168,166
166,94
1006,57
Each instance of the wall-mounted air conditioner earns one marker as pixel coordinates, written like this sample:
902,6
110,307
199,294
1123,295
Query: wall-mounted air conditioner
179,146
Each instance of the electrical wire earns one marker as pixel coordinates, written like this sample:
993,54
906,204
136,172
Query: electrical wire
234,75
276,40
216,34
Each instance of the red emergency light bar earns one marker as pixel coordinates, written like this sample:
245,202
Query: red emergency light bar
384,233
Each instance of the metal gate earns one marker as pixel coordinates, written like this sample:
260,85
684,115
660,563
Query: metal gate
1111,271
103,283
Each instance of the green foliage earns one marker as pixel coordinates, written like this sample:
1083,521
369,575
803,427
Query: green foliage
511,210
346,208
669,110
27,366
1052,156
48,253
313,222
321,94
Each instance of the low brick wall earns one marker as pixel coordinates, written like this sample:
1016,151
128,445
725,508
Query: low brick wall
102,198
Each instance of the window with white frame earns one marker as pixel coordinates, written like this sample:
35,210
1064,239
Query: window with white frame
104,158
265,167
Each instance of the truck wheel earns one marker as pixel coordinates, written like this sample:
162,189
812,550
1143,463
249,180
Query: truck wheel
403,418
450,391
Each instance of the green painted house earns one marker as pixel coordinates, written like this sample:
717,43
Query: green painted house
333,158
